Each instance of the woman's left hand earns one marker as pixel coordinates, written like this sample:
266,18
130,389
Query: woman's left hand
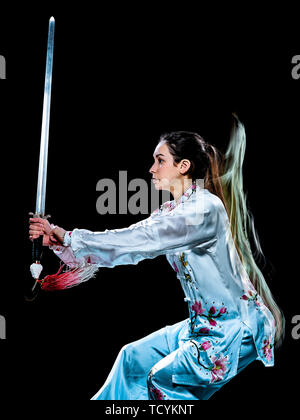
51,236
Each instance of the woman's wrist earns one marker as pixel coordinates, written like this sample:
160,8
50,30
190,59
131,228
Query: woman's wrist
57,234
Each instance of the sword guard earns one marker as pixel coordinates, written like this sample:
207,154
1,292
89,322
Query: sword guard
39,215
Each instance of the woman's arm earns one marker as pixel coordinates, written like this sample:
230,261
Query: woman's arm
183,228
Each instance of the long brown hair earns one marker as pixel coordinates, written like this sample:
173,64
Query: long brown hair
222,175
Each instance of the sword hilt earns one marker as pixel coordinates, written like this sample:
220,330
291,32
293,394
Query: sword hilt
37,244
37,249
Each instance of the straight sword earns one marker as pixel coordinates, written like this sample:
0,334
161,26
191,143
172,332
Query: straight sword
42,172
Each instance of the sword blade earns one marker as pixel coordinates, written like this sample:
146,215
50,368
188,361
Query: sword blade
42,174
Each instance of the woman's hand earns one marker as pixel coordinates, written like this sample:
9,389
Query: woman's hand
51,236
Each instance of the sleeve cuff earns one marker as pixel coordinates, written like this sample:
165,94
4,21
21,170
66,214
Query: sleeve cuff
67,238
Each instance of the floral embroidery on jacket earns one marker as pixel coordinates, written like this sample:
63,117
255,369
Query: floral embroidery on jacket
211,315
251,296
183,260
219,367
188,277
267,349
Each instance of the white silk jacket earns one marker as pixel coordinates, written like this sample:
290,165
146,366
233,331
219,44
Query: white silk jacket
194,235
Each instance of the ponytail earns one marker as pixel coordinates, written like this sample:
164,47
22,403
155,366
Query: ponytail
212,179
242,221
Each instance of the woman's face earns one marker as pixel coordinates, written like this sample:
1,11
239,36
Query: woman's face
164,174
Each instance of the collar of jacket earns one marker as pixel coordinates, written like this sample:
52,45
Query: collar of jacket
170,205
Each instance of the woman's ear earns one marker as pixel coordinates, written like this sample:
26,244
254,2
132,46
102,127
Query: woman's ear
185,165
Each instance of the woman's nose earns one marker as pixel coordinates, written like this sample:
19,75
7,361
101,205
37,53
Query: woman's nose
151,170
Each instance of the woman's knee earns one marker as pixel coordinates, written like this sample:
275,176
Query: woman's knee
133,350
127,351
134,360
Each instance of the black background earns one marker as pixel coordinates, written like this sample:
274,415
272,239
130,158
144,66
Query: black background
121,77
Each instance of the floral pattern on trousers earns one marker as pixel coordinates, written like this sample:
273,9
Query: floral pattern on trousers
144,369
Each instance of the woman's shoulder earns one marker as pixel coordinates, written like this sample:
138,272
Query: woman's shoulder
209,199
214,199
208,203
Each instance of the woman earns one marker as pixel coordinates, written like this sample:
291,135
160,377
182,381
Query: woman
233,319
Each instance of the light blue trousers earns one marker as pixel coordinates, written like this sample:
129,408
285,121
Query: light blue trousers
130,377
